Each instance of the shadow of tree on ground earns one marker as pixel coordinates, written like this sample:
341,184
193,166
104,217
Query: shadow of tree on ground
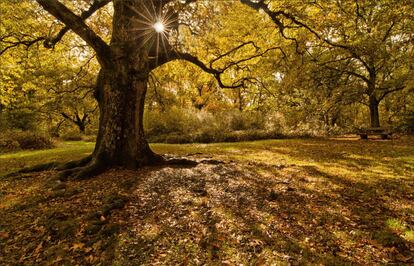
231,214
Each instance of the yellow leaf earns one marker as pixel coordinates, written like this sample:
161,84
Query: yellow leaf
38,248
77,246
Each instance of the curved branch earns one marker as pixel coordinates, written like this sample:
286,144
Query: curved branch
96,5
216,73
77,24
12,44
390,91
274,16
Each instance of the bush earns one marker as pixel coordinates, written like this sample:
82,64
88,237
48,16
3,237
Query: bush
23,140
75,136
71,136
89,138
21,119
190,125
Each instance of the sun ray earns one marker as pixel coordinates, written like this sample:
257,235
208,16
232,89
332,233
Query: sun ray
149,19
157,49
153,16
164,44
147,23
154,29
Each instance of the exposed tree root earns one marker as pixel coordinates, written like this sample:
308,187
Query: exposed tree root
74,164
162,161
34,169
51,166
96,167
211,161
159,160
82,169
89,167
181,162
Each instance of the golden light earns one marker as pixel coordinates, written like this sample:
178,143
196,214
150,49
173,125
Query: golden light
159,27
154,27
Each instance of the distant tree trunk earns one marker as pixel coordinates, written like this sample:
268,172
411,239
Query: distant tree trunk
55,130
373,111
82,128
240,99
77,120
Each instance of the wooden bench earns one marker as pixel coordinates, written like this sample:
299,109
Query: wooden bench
383,133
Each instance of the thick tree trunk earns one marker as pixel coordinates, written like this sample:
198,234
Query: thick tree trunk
120,91
121,139
126,62
373,111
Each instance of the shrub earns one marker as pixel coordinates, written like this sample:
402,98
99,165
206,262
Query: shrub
22,119
71,137
8,144
89,138
246,120
189,125
16,140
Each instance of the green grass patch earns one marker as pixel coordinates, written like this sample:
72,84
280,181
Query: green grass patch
65,151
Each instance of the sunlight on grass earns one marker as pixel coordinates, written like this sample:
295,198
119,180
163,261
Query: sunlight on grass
65,151
401,228
65,147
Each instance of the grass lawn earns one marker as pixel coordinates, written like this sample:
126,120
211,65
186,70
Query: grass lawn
273,202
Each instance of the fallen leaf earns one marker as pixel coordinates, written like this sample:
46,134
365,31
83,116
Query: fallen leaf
402,258
77,246
4,235
38,248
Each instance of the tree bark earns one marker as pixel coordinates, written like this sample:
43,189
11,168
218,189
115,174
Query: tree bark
373,111
120,91
122,141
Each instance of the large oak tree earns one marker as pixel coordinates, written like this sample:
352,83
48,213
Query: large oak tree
140,42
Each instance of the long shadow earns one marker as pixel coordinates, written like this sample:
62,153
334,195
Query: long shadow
224,200
238,212
369,210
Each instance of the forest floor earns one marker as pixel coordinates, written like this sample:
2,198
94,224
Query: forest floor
274,202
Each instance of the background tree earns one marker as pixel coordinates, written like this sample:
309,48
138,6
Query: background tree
368,41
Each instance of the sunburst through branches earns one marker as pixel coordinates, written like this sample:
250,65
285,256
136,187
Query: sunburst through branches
159,27
155,26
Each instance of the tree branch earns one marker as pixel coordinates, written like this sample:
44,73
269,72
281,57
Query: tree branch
96,5
12,44
218,72
274,15
78,26
390,91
